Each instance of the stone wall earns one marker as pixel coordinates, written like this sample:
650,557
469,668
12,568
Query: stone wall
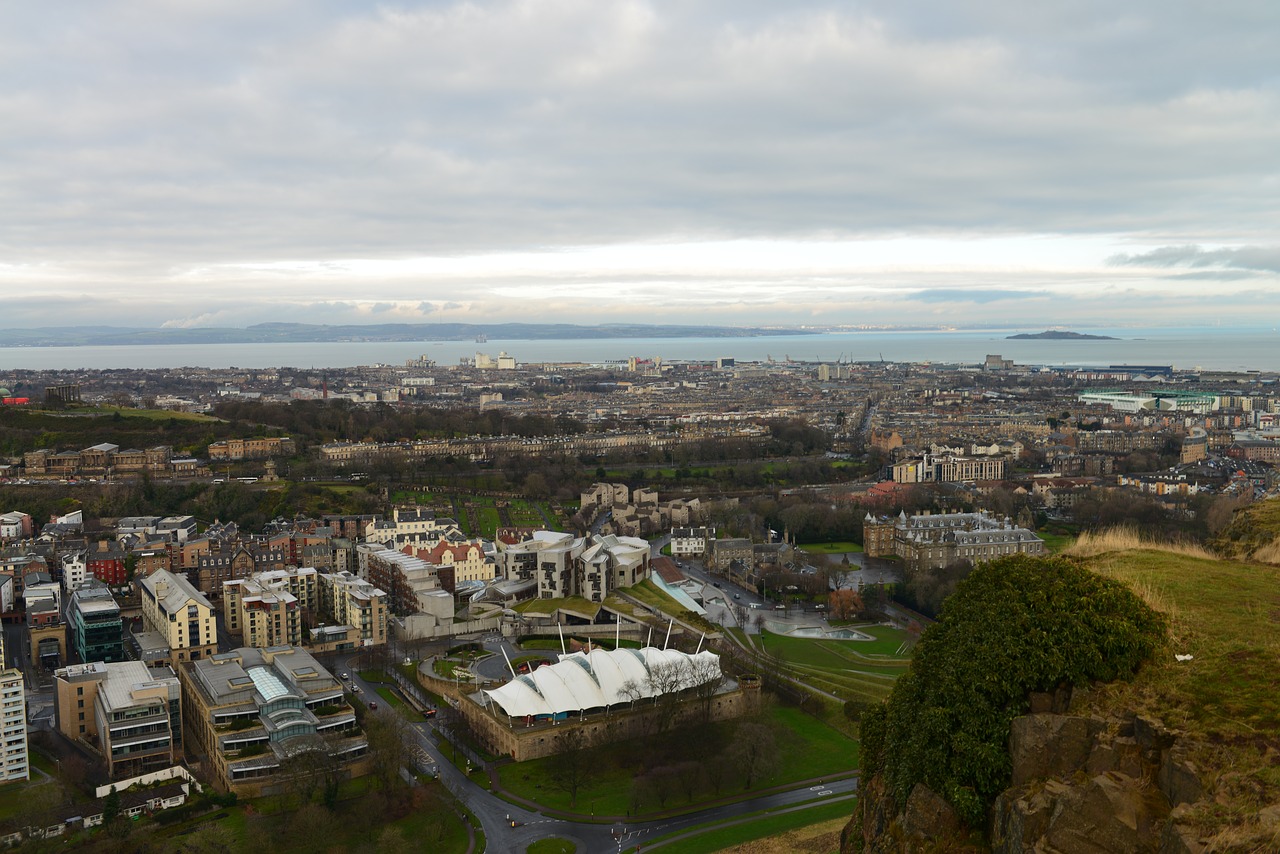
503,737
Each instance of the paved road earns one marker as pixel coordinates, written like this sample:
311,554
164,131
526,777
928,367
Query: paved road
495,816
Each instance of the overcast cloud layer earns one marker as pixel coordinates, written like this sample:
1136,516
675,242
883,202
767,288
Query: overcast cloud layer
214,162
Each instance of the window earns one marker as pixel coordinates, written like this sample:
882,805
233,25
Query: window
82,718
80,691
79,704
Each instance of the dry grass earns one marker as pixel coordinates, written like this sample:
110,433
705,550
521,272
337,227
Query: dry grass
1125,539
1225,614
1270,553
816,838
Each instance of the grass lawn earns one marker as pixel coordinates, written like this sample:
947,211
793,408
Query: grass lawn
648,593
831,548
554,845
835,814
863,670
549,606
39,760
1057,542
395,702
150,414
808,749
375,676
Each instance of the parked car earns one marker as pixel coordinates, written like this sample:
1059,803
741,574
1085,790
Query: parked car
344,676
373,707
430,713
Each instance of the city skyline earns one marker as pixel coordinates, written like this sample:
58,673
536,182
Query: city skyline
728,163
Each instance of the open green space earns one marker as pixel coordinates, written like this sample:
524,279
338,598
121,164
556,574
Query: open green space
626,776
357,824
830,548
126,412
554,845
768,824
649,593
577,604
395,702
1057,542
851,669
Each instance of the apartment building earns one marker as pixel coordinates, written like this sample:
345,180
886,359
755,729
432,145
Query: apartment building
351,601
13,722
466,562
690,542
252,711
180,614
409,581
129,713
266,609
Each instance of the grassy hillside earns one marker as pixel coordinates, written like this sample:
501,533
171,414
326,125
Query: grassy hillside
1226,614
1254,533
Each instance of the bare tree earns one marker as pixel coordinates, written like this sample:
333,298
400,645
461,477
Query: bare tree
389,736
707,677
689,776
665,682
716,771
573,764
755,752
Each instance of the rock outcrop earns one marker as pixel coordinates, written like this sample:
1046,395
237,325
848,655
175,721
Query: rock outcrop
1087,786
1080,785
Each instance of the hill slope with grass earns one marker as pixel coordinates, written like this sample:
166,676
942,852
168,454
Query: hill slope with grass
1253,534
1184,756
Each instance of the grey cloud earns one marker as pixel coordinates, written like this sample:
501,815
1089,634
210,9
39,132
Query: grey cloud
199,134
1256,258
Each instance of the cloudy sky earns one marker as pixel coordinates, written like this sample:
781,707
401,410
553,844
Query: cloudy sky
222,163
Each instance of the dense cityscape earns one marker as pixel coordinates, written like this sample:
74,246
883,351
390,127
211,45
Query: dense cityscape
218,615
579,427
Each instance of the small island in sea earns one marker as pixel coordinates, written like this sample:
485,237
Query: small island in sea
1057,335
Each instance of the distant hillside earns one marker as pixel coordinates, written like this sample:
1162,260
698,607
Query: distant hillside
271,333
1057,335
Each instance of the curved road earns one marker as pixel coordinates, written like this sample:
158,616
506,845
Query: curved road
495,816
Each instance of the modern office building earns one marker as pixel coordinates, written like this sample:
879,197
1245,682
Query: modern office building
94,623
129,713
253,712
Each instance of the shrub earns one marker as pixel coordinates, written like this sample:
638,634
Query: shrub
1016,625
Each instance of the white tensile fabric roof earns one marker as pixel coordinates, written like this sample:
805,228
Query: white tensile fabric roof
593,680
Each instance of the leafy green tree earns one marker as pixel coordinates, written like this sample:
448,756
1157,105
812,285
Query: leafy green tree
1015,625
